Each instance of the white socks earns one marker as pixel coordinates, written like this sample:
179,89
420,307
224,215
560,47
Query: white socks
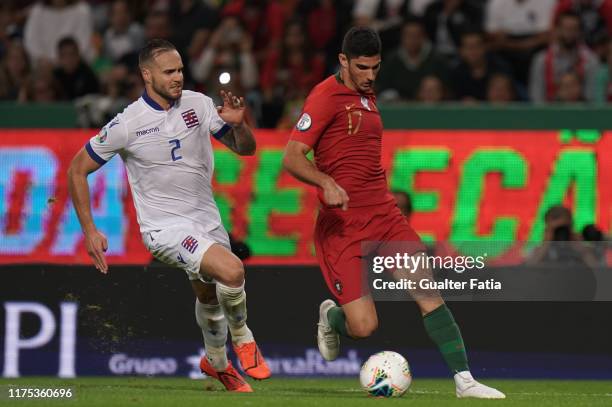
213,323
215,319
233,303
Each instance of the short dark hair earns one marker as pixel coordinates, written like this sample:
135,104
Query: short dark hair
361,41
67,42
413,20
568,14
152,49
471,33
556,212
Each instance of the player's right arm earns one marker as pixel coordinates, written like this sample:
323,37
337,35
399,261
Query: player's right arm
81,166
98,151
298,165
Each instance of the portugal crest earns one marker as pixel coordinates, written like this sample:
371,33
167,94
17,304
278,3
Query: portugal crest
365,102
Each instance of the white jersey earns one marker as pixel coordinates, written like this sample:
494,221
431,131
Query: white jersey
169,159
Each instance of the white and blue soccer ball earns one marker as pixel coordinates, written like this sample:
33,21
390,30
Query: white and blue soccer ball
385,374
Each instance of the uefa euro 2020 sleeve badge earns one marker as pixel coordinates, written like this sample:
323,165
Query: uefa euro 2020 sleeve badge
304,123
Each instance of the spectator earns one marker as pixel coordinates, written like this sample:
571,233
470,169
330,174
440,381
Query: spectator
343,11
603,81
417,7
124,36
404,203
591,233
12,18
229,51
594,237
72,72
52,20
446,20
517,30
157,25
5,24
320,20
100,12
289,74
566,54
264,20
600,46
402,72
41,87
121,87
471,76
570,88
561,244
14,71
595,15
500,89
431,90
193,21
385,16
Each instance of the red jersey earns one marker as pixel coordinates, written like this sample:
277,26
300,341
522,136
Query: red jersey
344,129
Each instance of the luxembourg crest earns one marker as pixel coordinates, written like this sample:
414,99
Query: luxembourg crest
304,123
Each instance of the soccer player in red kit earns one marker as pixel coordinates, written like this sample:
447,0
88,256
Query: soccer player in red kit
341,123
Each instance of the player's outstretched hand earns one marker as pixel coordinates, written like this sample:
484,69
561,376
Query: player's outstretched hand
232,111
335,195
97,244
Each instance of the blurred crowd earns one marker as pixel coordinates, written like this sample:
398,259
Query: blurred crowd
274,51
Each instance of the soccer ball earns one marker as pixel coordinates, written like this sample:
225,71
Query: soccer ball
385,374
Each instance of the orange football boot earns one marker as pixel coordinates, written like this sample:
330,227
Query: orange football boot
230,378
251,361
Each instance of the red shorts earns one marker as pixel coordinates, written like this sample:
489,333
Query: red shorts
338,241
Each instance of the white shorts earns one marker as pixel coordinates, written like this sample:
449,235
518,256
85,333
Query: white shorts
183,247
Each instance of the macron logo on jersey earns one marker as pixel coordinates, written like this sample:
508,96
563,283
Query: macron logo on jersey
147,131
191,118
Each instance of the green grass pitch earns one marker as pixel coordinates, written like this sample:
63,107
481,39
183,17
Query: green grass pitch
128,391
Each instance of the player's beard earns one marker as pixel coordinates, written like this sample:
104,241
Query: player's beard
365,86
165,93
360,85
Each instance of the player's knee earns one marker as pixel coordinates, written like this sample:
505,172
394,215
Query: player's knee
233,275
363,328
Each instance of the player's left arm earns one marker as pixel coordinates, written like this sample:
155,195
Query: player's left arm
239,138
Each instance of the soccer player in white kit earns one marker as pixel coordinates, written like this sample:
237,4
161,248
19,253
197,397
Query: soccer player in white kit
164,141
